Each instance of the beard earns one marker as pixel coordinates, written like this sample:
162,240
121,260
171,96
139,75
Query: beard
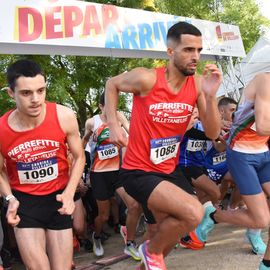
184,71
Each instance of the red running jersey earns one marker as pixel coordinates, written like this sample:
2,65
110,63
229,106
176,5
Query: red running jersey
158,122
36,159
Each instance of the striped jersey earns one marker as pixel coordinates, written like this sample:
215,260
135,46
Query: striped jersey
243,136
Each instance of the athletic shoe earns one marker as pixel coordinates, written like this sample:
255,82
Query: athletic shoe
104,236
97,246
86,244
207,224
132,251
151,261
263,267
191,241
256,242
123,232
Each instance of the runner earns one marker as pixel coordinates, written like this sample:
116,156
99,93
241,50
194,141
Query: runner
163,101
40,190
192,164
248,159
217,168
105,181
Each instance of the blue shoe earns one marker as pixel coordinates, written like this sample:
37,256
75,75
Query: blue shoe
207,224
263,267
256,242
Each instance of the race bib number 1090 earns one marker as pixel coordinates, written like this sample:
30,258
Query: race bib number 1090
164,149
37,172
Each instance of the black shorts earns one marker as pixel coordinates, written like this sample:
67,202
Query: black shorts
140,184
193,172
41,211
104,184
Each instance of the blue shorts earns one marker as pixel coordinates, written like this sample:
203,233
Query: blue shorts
217,173
249,171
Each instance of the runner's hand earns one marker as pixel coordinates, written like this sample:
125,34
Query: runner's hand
68,204
12,218
211,80
118,136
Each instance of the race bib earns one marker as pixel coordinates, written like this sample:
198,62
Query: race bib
164,149
195,145
37,172
219,159
107,151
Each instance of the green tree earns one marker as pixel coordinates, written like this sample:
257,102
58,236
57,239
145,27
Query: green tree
78,81
244,13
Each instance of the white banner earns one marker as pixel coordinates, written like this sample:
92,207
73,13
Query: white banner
85,28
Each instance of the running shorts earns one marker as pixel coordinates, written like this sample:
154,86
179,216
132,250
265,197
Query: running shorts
140,184
249,171
41,211
104,184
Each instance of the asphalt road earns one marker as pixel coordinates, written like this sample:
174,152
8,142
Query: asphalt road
226,250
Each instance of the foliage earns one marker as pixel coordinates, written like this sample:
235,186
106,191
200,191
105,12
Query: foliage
78,81
244,13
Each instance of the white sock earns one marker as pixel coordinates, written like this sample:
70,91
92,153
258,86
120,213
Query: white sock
206,204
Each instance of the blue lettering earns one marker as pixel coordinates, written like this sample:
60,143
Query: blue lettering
145,36
112,38
129,36
156,32
163,31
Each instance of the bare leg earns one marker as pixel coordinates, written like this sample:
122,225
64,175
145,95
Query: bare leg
103,215
209,188
133,215
60,248
32,246
255,216
176,212
79,224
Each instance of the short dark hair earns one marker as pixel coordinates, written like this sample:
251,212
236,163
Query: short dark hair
225,101
182,28
102,99
22,68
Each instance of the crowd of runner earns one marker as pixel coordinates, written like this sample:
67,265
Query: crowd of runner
171,166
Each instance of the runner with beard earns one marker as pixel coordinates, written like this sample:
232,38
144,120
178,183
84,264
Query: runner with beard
163,102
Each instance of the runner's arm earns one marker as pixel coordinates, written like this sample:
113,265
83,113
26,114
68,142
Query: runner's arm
13,204
124,122
262,103
137,81
69,124
89,124
207,86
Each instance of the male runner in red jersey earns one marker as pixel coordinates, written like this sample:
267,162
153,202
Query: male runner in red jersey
39,190
164,99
